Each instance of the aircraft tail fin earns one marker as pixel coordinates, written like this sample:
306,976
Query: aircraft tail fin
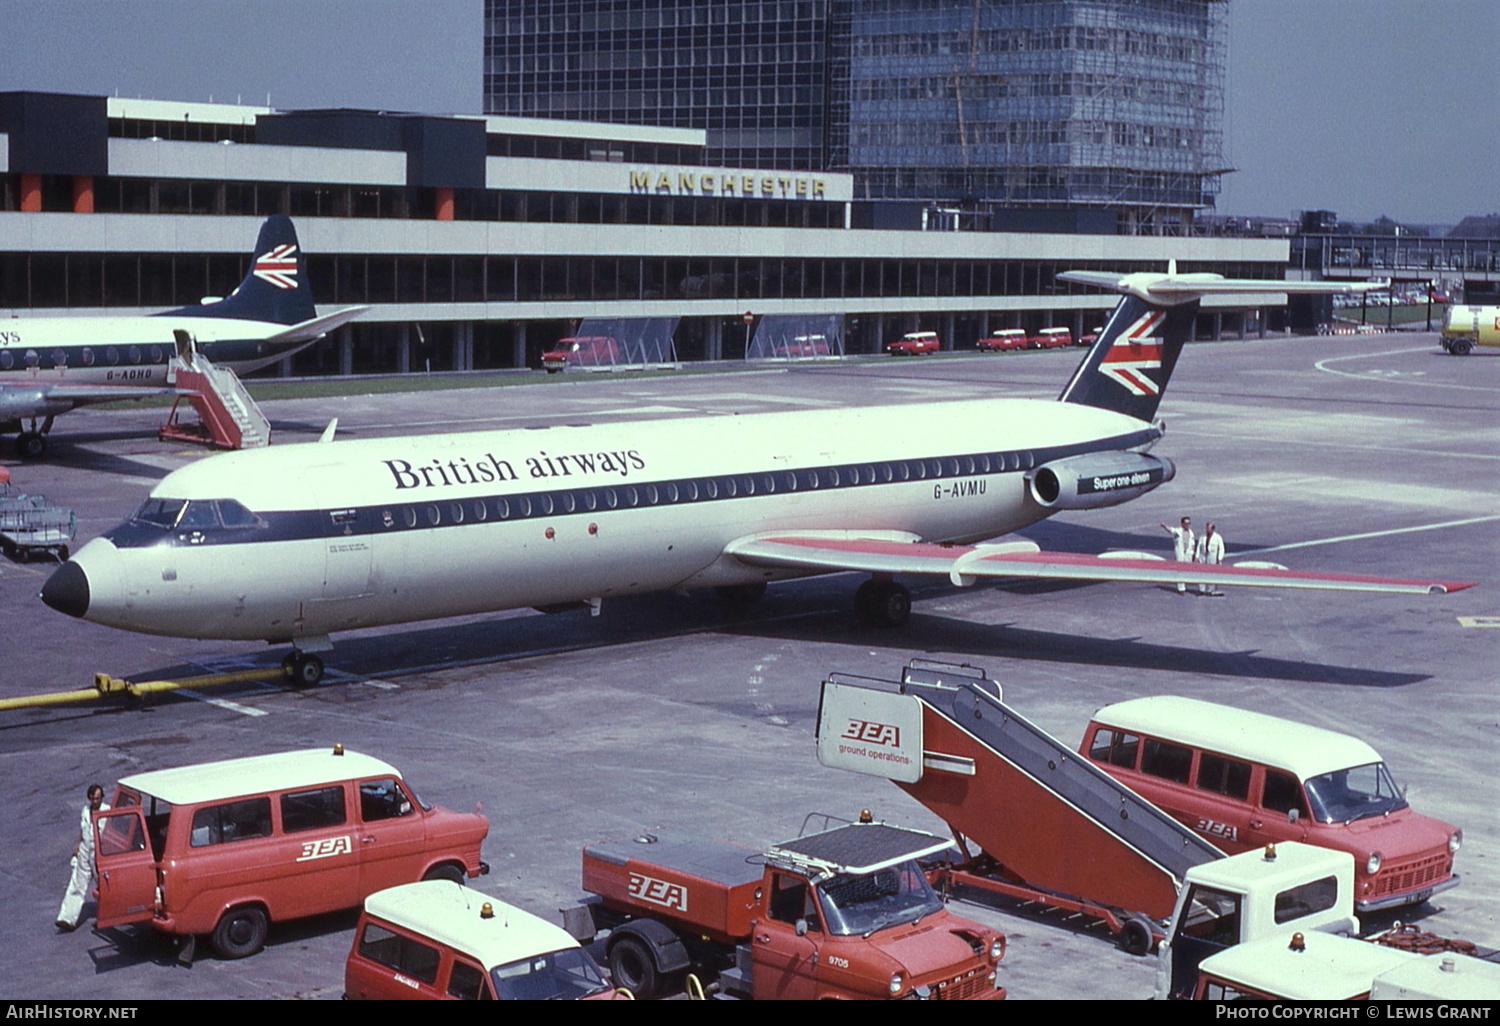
1128,367
1132,359
274,289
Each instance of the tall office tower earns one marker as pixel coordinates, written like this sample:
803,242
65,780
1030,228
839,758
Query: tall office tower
1114,105
1110,106
752,73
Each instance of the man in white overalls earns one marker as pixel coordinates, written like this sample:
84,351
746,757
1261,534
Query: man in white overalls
82,880
1184,546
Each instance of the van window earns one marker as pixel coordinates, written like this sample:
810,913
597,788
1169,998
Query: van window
466,982
561,975
121,834
1355,793
382,799
1114,747
1225,776
232,821
1166,760
1283,793
1305,899
405,955
310,810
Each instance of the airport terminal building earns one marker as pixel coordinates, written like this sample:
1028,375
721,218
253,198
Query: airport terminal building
479,241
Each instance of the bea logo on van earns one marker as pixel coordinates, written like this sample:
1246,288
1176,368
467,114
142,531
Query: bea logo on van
658,892
872,732
326,848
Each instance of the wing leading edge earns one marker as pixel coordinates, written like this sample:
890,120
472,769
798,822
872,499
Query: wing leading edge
896,552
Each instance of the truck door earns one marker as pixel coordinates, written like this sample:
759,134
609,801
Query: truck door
125,867
1210,923
784,966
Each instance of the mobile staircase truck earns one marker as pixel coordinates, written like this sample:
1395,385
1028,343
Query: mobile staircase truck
840,913
1052,830
228,418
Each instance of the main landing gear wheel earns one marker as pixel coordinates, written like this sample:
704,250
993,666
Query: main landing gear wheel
303,669
882,603
30,445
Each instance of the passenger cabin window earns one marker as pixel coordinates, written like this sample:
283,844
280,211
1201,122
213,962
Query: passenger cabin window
1166,760
382,799
312,810
1223,775
230,822
404,954
1305,899
1114,748
1282,793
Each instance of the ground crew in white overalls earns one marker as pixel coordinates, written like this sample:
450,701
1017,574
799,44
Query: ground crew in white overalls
82,880
1182,546
1210,550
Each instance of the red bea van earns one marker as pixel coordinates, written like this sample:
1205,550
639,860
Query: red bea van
225,848
1244,780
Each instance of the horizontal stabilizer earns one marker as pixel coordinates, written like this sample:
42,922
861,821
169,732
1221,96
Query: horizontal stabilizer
1171,289
898,553
317,327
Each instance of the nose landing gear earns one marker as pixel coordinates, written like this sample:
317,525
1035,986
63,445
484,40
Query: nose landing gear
303,669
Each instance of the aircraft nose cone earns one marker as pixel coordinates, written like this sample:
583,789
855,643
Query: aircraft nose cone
67,590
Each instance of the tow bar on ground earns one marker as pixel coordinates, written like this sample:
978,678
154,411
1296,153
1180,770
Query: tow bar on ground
106,686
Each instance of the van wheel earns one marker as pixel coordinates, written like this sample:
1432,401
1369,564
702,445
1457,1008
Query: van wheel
447,871
632,967
241,932
1461,347
1136,937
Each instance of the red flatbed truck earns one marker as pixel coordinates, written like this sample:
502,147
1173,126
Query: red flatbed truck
843,913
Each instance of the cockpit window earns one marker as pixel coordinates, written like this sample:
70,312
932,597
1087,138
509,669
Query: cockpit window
199,515
194,515
161,513
236,515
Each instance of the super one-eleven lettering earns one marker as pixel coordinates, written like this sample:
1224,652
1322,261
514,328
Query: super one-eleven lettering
489,469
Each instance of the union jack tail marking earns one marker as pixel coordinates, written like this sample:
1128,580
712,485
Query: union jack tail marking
278,266
1136,351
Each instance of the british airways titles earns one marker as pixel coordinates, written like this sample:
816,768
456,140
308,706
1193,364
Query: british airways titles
489,469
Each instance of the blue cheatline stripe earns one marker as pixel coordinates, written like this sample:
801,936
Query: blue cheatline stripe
432,514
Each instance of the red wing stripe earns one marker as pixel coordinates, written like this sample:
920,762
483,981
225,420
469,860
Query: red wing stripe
885,555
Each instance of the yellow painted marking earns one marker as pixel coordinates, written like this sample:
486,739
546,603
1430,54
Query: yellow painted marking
1479,621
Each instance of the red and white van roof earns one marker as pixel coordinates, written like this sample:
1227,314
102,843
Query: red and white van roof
451,914
257,774
1303,750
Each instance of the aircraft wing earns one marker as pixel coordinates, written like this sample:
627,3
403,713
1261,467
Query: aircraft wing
896,552
317,327
49,399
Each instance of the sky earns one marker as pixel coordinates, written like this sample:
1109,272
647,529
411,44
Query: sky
1368,108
